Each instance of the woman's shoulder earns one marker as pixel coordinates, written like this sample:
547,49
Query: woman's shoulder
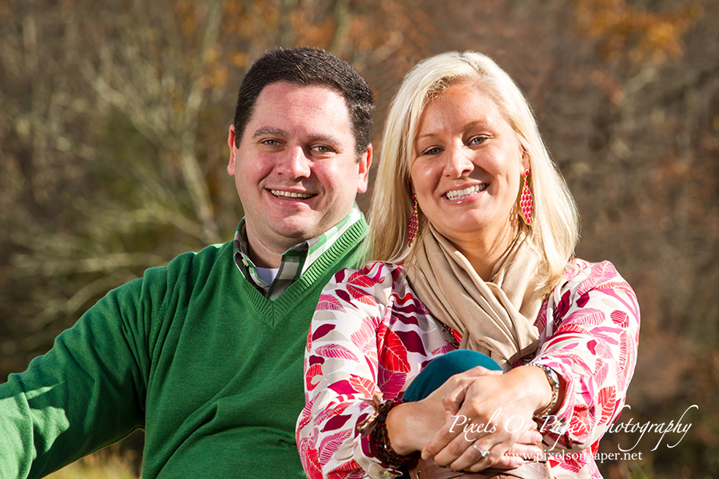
582,277
371,274
373,284
580,271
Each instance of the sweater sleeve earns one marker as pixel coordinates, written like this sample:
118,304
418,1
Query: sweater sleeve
88,391
341,371
590,340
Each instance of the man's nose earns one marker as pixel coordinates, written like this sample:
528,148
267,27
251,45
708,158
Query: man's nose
294,163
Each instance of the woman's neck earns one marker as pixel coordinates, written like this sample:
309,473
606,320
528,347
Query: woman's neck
484,253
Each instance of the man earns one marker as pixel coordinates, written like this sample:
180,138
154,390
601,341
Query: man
206,353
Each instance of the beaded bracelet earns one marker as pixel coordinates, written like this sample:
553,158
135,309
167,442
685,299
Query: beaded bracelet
376,427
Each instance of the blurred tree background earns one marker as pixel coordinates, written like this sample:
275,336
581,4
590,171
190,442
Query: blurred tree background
113,130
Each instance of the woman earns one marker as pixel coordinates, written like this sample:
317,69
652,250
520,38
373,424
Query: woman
474,233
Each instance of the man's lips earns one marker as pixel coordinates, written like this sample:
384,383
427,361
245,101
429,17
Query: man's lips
291,194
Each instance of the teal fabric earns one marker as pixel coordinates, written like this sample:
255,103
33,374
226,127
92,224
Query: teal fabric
192,353
442,368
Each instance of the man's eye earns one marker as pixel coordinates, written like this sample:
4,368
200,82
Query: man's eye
271,142
322,149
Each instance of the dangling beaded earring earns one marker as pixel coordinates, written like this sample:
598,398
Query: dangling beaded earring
526,204
412,226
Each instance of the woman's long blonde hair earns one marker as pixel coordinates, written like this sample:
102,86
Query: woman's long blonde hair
555,225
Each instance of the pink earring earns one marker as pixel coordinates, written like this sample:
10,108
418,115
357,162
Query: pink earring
526,204
412,226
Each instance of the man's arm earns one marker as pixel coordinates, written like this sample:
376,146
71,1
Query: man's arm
88,391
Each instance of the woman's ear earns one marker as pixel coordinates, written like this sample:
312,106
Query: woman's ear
410,187
525,158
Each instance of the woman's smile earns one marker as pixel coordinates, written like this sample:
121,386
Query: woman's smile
461,194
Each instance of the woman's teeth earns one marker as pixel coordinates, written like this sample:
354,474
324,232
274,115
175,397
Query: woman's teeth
457,194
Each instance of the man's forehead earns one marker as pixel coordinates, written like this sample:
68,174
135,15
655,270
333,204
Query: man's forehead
290,87
273,110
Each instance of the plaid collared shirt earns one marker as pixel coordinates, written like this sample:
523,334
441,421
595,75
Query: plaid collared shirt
295,261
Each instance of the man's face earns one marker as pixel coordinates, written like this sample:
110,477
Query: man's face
296,168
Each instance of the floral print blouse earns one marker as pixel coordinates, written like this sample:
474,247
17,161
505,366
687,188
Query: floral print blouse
370,332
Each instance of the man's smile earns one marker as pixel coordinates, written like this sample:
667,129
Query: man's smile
291,194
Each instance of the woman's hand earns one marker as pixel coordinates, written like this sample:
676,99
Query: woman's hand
412,425
527,448
488,415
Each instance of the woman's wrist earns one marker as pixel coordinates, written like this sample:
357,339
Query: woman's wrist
375,426
400,435
553,381
412,425
531,382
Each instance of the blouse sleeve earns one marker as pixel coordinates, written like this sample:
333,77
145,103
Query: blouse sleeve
590,340
341,368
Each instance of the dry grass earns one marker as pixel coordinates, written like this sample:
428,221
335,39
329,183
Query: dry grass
100,465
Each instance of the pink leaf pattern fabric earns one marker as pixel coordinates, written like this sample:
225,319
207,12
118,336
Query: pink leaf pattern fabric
363,386
330,303
394,354
310,375
370,331
336,351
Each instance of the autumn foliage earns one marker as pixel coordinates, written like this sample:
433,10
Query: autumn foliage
114,123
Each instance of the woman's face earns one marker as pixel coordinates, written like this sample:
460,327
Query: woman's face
466,167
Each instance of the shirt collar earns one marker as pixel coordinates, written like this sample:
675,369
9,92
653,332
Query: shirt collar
295,261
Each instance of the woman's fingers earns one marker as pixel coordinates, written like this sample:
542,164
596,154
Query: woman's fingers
483,453
477,456
482,407
454,388
514,457
506,461
459,434
531,436
525,452
454,397
490,424
453,430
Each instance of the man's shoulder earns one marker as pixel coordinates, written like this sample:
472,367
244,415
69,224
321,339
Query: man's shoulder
207,255
193,262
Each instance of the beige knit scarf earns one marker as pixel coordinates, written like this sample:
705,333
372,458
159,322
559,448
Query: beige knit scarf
495,318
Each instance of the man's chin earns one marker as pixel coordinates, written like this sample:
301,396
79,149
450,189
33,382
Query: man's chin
298,231
301,227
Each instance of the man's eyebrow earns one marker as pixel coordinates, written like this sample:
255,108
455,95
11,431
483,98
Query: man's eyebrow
270,131
321,138
316,138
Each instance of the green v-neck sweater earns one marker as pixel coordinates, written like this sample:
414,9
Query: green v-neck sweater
192,353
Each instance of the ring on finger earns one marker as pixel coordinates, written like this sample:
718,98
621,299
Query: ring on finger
482,452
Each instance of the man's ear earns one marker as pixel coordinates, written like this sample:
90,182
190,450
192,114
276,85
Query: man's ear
233,151
365,162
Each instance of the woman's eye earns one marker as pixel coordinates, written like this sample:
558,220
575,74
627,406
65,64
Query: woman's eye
432,151
477,140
